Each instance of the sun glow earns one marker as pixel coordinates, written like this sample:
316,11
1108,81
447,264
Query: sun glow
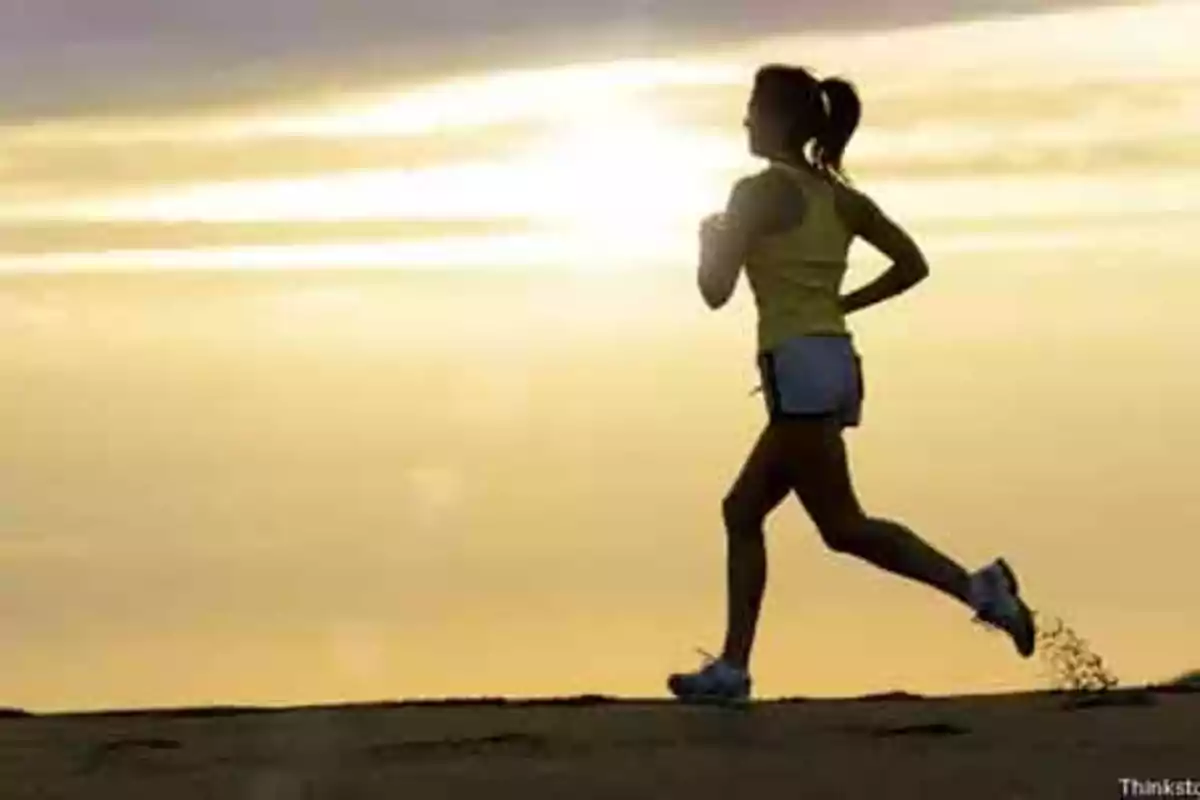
505,96
1028,121
606,183
622,166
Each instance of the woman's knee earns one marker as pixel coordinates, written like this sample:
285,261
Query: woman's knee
741,518
844,533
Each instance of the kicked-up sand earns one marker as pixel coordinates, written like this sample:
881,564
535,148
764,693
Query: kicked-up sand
1018,747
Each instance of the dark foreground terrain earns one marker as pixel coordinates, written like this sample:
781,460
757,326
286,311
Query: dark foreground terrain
896,746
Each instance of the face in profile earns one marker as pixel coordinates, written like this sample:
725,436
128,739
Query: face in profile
767,130
785,107
758,131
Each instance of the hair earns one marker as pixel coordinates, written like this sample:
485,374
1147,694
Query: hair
824,114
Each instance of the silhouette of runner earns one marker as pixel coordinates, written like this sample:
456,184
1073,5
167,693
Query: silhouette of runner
790,227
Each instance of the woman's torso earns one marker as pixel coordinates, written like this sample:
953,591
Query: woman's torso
796,273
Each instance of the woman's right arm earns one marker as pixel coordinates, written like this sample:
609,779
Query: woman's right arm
908,266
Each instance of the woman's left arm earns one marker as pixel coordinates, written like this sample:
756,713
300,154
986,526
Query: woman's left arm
724,244
758,206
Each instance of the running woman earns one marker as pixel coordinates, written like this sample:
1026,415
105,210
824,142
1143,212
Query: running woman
790,228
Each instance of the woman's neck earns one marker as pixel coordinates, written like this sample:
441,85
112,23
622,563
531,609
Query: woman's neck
798,163
787,157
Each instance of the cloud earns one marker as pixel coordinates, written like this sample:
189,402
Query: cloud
78,158
39,237
70,56
1067,117
65,55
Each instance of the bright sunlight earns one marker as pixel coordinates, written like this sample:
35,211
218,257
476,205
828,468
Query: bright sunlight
604,183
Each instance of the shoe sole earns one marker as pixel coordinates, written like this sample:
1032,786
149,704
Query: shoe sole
711,701
724,701
1025,648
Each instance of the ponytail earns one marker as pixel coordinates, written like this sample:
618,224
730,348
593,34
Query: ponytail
843,112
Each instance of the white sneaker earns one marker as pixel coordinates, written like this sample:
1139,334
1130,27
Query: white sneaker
715,682
996,598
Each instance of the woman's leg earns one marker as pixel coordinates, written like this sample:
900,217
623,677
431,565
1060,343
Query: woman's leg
761,486
824,486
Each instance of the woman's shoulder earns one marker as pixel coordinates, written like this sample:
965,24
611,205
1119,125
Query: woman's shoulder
854,205
767,200
769,183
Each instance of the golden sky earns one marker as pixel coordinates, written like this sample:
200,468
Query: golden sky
494,463
1010,123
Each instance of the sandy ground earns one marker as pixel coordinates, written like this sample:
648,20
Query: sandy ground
1027,746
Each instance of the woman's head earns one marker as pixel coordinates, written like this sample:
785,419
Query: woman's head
792,115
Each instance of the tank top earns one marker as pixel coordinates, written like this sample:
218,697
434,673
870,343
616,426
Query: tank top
796,274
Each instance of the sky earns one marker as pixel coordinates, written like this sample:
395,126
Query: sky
391,379
92,55
487,165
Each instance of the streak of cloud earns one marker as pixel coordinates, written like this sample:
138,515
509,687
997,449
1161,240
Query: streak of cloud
1006,122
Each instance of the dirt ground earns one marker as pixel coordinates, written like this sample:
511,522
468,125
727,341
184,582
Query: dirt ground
1026,746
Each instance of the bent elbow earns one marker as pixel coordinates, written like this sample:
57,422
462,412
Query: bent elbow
714,300
916,271
715,297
